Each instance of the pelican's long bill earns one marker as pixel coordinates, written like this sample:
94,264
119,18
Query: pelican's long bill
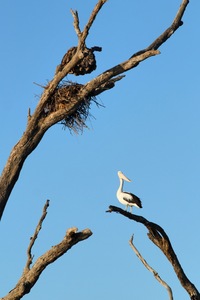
122,176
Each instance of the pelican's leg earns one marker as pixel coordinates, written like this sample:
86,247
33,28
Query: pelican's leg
131,207
126,207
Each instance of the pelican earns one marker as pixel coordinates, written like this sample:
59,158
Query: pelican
125,198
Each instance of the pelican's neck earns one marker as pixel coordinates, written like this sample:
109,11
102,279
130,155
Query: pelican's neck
121,183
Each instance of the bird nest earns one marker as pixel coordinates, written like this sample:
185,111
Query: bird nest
63,98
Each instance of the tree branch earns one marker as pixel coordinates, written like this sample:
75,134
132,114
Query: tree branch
31,275
34,237
76,23
93,15
159,237
177,22
141,55
156,275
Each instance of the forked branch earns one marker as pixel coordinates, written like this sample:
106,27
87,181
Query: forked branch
83,35
159,237
30,274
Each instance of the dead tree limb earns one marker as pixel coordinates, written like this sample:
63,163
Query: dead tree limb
30,274
159,237
42,119
156,275
34,237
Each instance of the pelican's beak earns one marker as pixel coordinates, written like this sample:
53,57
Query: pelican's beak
122,176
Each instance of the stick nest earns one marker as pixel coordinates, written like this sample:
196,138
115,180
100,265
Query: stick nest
63,99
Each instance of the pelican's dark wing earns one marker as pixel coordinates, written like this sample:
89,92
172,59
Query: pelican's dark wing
132,199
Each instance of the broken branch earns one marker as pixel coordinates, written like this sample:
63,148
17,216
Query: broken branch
156,275
34,237
31,275
76,22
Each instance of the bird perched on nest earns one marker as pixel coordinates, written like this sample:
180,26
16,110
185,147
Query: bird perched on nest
126,198
85,66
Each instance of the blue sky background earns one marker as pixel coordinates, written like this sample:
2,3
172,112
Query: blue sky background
149,129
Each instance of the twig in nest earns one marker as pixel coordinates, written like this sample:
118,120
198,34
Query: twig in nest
44,87
76,122
160,280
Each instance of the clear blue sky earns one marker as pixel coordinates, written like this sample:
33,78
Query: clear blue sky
149,129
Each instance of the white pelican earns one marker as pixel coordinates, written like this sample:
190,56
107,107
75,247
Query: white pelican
125,198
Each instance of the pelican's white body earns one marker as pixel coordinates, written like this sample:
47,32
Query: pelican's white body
125,198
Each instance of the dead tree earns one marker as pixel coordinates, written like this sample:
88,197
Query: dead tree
72,106
68,103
